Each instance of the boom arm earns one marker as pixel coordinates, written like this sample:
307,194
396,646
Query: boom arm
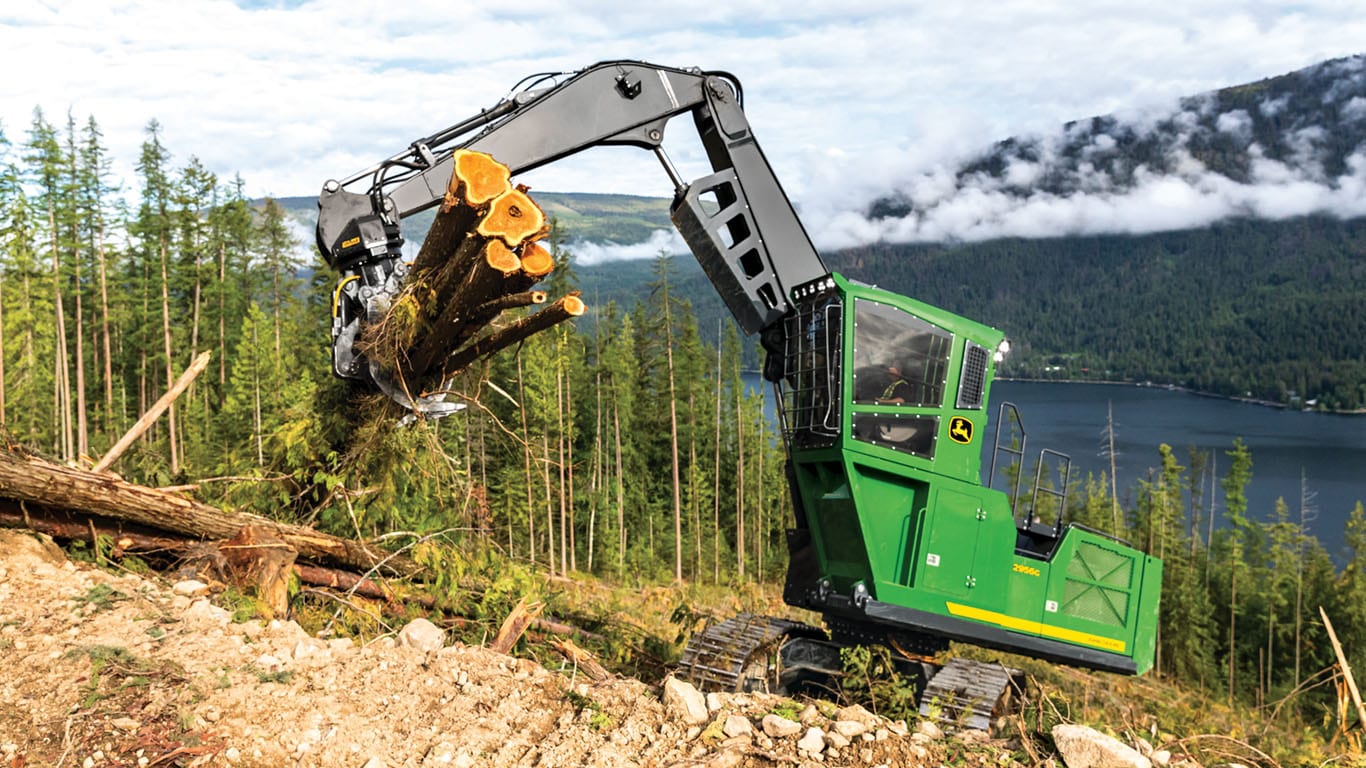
737,220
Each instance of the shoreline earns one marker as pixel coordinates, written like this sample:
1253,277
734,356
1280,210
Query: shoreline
1187,390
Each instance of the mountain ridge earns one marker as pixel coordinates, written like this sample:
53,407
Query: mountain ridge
1259,300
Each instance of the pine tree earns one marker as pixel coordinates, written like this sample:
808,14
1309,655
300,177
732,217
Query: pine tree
27,338
244,408
47,163
1235,511
97,192
154,230
277,255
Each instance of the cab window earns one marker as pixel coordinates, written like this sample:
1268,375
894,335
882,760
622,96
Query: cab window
899,359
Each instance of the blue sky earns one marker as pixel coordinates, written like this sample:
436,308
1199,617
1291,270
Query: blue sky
847,98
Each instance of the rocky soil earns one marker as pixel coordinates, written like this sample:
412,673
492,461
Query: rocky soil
99,668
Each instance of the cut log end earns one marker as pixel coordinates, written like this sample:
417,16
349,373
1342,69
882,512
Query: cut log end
513,217
501,258
573,305
537,261
477,178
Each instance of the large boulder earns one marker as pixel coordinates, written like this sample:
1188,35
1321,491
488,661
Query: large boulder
1082,747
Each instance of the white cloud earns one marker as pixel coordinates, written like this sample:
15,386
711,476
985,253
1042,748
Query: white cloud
660,241
1237,123
846,98
1354,109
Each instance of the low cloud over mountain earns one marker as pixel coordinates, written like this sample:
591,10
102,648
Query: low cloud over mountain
1283,147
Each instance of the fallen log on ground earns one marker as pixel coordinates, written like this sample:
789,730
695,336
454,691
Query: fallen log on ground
256,561
124,538
582,660
35,481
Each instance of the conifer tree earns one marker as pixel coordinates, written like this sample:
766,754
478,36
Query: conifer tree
1235,510
46,165
154,230
97,191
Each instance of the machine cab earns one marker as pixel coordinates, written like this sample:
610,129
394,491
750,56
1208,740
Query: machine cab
869,369
884,404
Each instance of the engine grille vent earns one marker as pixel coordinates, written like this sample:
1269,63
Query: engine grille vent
974,376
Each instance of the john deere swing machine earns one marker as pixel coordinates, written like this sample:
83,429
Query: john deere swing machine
895,539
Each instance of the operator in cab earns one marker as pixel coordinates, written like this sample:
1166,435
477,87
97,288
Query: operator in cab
895,392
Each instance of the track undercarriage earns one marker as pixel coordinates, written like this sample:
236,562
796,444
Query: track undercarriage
749,652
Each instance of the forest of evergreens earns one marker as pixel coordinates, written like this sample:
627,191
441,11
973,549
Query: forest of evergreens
627,447
1246,308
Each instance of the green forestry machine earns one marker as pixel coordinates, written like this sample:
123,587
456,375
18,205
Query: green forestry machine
895,539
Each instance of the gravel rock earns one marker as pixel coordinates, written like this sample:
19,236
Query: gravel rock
422,636
190,588
729,758
737,725
930,729
780,727
684,701
858,714
849,728
813,741
1083,747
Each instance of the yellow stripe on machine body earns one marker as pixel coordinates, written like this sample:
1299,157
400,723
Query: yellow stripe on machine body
1036,628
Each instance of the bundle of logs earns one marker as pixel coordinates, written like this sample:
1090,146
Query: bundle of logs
480,258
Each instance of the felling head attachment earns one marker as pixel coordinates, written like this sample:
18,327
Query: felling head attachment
352,230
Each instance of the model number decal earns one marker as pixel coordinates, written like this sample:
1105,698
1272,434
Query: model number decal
1026,569
351,242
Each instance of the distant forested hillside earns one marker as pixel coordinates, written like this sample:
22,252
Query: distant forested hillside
1270,309
1244,273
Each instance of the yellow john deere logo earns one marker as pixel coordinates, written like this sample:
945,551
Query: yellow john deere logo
960,430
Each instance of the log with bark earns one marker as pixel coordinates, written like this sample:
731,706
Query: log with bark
517,332
515,625
191,556
32,480
480,258
582,660
258,561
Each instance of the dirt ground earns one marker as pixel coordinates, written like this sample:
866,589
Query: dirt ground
100,668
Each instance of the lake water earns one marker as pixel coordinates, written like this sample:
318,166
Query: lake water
1329,449
1070,418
